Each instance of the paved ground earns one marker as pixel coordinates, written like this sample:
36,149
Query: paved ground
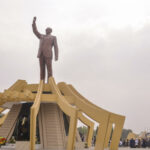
123,148
92,148
128,148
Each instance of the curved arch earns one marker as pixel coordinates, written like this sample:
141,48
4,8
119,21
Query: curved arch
99,115
84,105
118,120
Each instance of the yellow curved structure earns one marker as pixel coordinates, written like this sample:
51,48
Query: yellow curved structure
103,117
33,115
3,117
71,103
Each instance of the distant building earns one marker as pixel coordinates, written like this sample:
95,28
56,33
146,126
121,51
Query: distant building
132,135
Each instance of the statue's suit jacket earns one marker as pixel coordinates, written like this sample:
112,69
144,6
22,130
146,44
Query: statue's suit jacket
46,44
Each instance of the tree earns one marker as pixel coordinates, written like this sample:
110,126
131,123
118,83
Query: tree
83,130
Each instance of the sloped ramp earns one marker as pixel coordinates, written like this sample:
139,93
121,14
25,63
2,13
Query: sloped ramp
6,130
52,132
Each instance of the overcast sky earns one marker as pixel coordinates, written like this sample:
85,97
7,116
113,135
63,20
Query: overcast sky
104,50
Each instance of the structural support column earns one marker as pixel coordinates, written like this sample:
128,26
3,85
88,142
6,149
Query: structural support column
72,132
101,135
116,135
90,135
109,130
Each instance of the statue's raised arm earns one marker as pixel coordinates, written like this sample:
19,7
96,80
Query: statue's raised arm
35,31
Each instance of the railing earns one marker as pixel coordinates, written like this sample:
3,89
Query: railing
33,116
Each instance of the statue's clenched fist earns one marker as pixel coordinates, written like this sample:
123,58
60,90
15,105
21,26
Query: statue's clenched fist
34,19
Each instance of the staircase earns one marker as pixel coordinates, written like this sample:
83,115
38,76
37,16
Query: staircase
8,127
51,126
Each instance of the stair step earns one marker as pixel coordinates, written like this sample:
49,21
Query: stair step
52,126
10,121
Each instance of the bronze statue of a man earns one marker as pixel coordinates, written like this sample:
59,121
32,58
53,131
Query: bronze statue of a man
45,54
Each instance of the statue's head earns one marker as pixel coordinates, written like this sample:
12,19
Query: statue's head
48,30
